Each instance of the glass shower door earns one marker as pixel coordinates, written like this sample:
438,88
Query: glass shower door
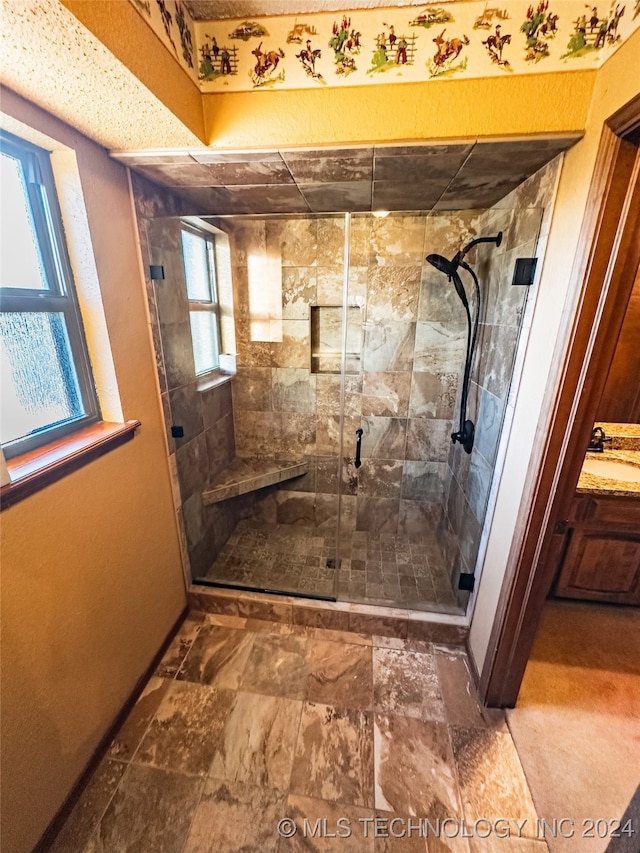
386,501
281,534
412,513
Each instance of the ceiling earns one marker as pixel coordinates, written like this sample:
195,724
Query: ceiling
213,10
456,176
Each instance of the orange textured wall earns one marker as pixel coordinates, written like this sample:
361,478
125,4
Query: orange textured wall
91,571
438,110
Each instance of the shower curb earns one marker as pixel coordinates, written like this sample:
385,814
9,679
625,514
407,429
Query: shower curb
338,616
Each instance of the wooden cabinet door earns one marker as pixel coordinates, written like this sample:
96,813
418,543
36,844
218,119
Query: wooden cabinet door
601,566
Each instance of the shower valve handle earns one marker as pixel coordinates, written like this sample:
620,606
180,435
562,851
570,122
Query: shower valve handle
357,462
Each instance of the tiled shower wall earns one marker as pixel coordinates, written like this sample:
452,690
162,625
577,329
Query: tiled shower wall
407,336
524,217
410,331
205,415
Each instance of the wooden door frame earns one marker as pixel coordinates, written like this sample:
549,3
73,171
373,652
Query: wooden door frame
608,257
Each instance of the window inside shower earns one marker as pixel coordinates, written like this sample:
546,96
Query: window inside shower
347,337
202,292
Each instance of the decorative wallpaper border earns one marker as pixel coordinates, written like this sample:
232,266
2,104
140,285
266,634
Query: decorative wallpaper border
174,26
451,39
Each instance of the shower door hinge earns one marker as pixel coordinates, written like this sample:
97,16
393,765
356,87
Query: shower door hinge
467,581
524,271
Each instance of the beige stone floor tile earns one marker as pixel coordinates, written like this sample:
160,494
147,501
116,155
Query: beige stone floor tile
183,735
128,738
420,838
217,657
403,645
462,706
406,684
492,782
323,826
507,845
334,755
410,834
90,807
257,743
398,834
414,768
232,817
149,813
271,720
449,841
263,626
180,645
225,621
350,637
277,666
340,674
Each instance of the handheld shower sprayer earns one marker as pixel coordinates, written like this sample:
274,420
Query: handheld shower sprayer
466,431
449,267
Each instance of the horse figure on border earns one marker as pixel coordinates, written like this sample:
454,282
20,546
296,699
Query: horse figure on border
266,62
495,44
448,49
307,57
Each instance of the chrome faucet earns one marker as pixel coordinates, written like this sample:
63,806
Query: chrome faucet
596,445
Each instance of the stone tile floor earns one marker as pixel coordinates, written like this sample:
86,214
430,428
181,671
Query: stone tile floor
387,570
246,724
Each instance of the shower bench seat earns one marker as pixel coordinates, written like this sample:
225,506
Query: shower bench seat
248,475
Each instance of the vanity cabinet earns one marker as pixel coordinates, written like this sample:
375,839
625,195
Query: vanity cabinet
601,559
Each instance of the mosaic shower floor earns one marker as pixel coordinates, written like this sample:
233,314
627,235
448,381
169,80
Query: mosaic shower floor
385,569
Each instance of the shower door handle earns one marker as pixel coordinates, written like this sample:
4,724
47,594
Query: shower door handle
357,462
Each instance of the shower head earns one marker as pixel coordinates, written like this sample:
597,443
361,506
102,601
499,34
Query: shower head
449,267
442,264
465,434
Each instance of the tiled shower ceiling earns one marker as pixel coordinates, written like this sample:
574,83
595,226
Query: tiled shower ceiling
411,177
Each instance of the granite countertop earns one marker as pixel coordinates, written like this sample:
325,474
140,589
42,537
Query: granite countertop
624,447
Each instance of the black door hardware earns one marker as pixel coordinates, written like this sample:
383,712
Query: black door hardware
359,432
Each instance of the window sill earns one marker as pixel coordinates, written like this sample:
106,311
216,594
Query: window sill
213,381
33,471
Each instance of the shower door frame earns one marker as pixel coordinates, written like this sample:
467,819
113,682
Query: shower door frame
343,375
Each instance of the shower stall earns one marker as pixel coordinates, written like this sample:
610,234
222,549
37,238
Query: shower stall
324,466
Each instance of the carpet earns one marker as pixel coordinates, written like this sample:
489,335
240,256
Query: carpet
576,724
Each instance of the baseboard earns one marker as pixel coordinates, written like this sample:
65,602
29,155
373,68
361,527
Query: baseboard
55,825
